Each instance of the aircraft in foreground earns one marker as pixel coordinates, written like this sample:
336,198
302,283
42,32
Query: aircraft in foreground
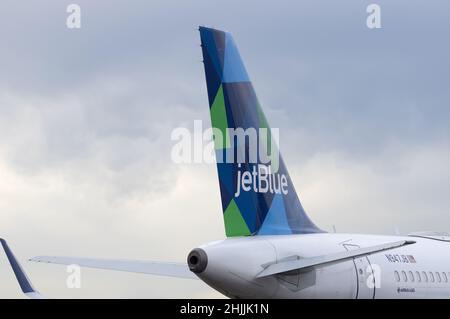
273,249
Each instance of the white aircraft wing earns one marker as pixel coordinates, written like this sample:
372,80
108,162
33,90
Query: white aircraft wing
301,263
179,270
24,282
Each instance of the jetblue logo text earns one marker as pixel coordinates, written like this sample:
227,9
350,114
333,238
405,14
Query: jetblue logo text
261,180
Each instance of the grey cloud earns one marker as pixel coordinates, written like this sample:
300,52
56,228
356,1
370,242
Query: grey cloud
86,116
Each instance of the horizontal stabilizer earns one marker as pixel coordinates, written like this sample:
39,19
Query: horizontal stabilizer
179,270
289,265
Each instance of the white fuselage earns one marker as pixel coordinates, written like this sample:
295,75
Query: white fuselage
420,270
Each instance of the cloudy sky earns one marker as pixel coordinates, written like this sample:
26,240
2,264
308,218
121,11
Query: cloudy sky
86,117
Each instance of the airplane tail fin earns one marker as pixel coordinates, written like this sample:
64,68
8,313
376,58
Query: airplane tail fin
258,197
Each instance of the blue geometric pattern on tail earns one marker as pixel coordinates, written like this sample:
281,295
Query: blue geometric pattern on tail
233,70
275,223
274,210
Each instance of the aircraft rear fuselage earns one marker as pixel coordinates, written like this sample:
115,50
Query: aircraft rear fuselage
412,271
